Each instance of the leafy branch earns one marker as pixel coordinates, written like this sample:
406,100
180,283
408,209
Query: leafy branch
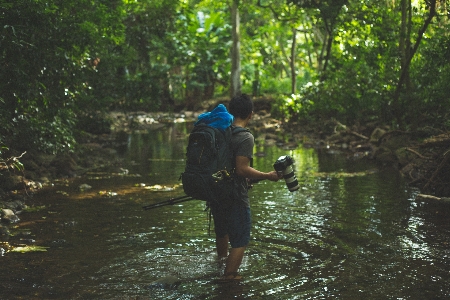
12,162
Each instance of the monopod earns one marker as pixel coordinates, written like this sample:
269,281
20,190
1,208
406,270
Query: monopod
171,201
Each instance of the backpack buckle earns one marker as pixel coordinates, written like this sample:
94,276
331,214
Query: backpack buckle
221,175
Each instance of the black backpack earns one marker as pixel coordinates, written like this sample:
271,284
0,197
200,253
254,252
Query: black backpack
209,174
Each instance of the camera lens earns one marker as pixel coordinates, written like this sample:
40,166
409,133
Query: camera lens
285,164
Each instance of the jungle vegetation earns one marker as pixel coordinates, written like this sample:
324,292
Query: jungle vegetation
66,63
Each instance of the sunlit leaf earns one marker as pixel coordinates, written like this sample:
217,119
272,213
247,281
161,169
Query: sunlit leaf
25,249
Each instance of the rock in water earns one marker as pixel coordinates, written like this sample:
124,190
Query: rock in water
165,282
9,216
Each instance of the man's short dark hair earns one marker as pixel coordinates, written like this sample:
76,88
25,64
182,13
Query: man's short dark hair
241,106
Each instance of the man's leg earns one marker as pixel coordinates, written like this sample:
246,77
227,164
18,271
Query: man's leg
239,239
222,246
234,260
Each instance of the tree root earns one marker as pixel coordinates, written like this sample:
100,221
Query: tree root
439,168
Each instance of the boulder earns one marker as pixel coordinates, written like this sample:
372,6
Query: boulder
9,216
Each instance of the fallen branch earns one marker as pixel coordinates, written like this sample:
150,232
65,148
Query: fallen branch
339,124
437,141
359,135
433,198
417,153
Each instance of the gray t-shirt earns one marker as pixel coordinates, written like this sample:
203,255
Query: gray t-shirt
242,145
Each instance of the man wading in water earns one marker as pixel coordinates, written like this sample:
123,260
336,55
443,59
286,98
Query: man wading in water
233,222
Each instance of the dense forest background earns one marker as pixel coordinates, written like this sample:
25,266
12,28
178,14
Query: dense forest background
66,64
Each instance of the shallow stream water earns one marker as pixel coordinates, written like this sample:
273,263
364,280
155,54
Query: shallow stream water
352,231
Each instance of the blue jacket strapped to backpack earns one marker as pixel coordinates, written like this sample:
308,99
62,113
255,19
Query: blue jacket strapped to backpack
218,118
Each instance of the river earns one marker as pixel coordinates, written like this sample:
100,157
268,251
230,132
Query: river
352,231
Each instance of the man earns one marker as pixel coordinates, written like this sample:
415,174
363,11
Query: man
232,223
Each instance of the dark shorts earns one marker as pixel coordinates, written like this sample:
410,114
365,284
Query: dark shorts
234,221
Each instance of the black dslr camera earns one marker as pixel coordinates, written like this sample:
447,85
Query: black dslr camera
284,164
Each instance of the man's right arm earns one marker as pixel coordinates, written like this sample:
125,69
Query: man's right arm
243,169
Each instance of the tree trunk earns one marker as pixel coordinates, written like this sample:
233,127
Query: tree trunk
293,54
329,44
404,45
235,51
407,51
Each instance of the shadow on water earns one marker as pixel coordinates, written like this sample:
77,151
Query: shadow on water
352,231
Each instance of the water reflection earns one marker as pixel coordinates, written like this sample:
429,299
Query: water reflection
352,231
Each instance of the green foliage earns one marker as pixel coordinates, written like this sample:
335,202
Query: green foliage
46,58
270,85
140,64
293,107
365,64
9,162
44,134
64,64
431,77
203,45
